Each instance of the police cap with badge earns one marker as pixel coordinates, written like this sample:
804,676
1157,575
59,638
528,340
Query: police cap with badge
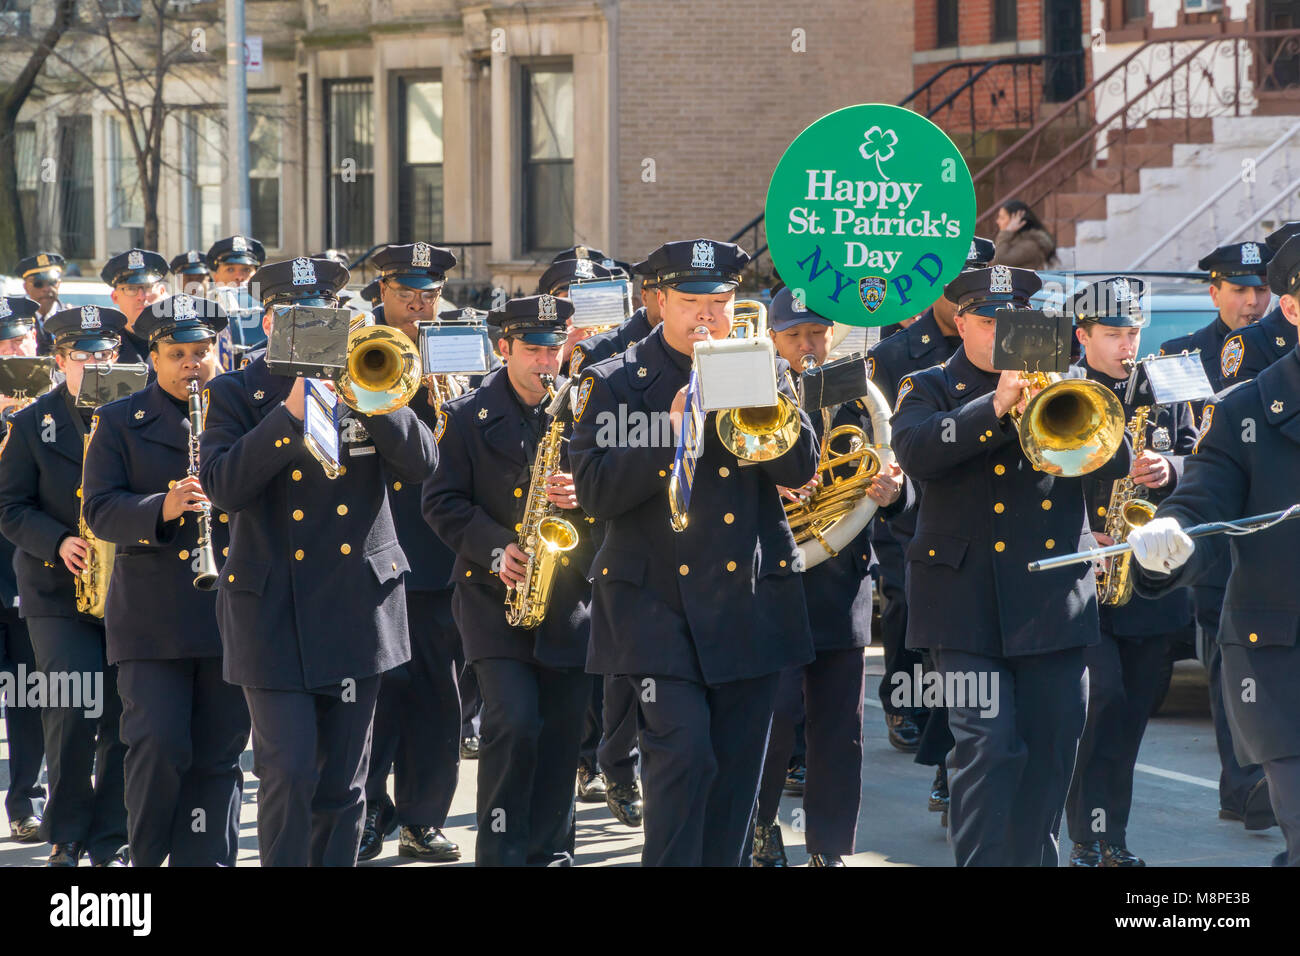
189,263
985,291
417,265
576,263
370,292
47,266
17,316
1116,302
1284,269
181,318
788,310
649,277
134,267
534,319
699,266
1241,263
236,250
981,253
88,328
300,281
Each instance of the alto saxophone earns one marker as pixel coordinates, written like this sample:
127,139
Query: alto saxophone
1128,509
91,583
544,536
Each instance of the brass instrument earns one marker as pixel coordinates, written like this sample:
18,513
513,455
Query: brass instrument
383,368
91,583
443,388
1070,428
205,561
544,536
1128,509
839,508
757,434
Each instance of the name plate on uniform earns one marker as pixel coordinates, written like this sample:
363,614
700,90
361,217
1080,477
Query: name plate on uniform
309,341
736,373
447,349
23,376
101,384
1174,378
600,302
320,430
1030,340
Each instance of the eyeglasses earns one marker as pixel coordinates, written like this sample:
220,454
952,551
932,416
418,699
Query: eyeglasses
134,291
80,355
43,283
407,296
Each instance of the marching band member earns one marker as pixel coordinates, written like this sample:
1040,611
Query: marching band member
417,718
41,275
533,685
830,688
985,511
1124,668
1239,470
639,324
1256,346
704,620
311,606
25,797
1238,277
233,260
40,476
136,277
191,272
576,262
183,726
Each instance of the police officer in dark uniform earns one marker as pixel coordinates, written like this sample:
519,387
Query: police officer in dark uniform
311,605
703,620
191,272
370,292
234,259
41,275
533,685
928,341
417,718
639,324
184,727
1237,472
40,476
136,277
1238,274
1124,668
1017,643
25,797
830,689
1255,347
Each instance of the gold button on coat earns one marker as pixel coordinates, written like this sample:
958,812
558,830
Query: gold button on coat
345,548
728,517
724,471
1049,544
184,555
999,507
1254,638
999,469
298,555
932,552
343,509
999,546
1047,505
397,486
297,514
731,565
684,570
230,578
519,492
225,518
296,475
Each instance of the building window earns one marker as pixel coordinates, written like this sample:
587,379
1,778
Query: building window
1004,19
548,158
946,17
126,204
1135,10
350,141
76,188
264,120
419,170
202,139
29,177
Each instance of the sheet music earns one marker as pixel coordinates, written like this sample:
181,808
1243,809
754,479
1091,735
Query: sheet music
458,351
318,423
736,373
1177,378
602,302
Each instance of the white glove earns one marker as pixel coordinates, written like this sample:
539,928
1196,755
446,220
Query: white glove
1161,545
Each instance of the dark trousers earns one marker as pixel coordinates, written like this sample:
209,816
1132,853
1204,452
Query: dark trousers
310,753
417,719
528,754
828,694
1009,771
184,729
1123,681
701,759
617,752
936,739
1235,780
899,659
471,701
1284,793
80,810
593,723
26,796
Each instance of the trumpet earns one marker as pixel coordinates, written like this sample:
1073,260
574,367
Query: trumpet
383,368
1071,427
764,433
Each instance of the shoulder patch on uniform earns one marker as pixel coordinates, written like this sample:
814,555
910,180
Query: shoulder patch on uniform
576,359
441,427
1230,358
580,400
904,387
1207,419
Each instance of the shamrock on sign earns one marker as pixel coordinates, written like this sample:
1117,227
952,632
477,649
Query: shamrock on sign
880,144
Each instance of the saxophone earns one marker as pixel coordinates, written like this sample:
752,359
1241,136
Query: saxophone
1128,509
544,535
91,583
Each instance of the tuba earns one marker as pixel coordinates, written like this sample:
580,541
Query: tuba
383,368
91,583
839,508
1070,428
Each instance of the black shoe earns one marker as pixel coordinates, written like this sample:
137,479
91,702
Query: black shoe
26,830
372,841
427,843
591,785
469,748
824,859
939,798
65,854
794,778
1257,810
625,803
121,858
1117,854
904,734
768,848
1086,854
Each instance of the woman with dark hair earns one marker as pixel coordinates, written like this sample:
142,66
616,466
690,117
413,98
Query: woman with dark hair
1022,240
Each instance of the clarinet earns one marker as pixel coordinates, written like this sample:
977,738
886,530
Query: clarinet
205,562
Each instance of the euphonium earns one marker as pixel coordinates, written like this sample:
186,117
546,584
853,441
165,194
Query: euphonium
205,561
764,433
544,536
383,369
1072,427
91,583
1128,509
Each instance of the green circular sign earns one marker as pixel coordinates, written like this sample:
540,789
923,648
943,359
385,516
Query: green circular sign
870,213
